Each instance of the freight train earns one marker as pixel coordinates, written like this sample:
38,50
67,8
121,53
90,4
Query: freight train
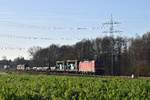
70,66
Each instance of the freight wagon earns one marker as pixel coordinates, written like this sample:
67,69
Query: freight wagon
69,65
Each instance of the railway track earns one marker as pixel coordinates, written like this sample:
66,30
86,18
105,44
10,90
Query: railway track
56,73
61,73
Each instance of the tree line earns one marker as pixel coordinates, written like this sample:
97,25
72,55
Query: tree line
128,55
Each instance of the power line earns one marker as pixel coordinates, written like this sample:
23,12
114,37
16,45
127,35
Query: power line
13,48
52,28
24,37
11,36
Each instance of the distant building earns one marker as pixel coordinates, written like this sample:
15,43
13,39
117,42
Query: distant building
7,64
4,64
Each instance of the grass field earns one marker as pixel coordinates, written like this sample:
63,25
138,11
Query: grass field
42,87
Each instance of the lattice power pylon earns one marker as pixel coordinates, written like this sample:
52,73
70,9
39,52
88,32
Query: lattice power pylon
111,24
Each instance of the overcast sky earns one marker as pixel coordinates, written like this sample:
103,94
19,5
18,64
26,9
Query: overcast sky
27,23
